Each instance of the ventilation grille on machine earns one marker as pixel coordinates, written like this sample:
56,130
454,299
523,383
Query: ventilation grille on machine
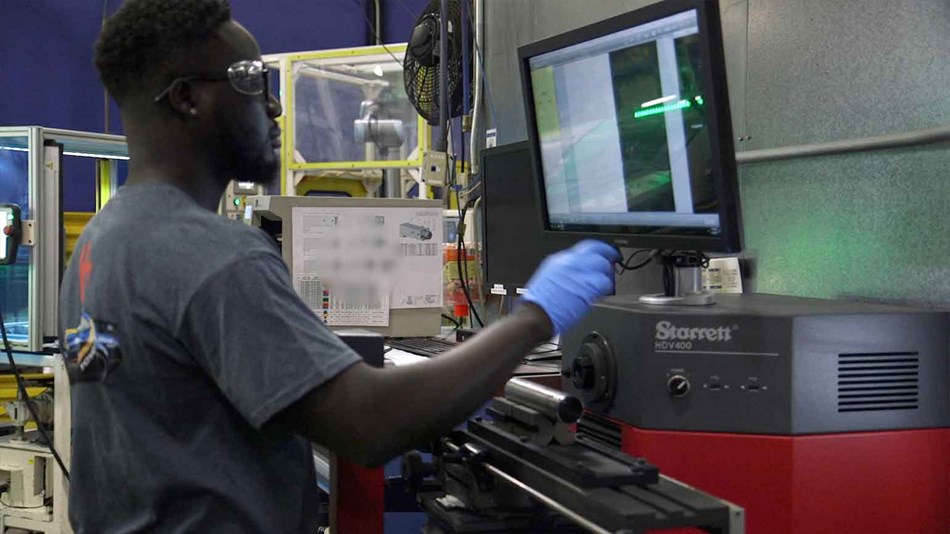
881,381
601,430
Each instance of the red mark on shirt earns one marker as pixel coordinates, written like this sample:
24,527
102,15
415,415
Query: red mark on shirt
85,271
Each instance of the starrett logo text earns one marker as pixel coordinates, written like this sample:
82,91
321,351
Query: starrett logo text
671,336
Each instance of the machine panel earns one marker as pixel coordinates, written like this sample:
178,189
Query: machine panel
762,364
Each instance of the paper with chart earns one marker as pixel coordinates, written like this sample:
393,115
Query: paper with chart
352,265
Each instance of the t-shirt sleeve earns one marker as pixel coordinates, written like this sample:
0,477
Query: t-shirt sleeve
257,340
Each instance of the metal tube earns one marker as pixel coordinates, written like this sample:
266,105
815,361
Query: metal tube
552,403
379,23
443,75
392,183
465,60
579,520
914,138
473,145
688,280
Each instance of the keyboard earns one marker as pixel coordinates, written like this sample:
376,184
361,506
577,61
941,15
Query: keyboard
423,346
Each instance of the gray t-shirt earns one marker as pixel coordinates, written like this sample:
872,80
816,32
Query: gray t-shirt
184,337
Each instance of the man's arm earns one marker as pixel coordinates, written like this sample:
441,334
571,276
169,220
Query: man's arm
369,415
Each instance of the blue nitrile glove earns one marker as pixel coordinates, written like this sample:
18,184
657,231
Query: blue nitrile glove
567,283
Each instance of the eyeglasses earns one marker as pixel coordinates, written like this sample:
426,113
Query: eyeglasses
248,77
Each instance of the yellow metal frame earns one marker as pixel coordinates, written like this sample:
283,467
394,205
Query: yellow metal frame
288,140
103,182
74,222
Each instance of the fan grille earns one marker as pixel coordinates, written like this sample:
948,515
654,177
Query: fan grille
422,80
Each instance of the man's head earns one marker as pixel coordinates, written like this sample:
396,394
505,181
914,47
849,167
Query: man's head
183,71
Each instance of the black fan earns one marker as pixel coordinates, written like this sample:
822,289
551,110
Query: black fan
421,66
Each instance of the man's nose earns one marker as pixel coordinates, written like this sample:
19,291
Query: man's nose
274,109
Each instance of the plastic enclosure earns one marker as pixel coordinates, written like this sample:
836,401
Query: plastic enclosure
346,112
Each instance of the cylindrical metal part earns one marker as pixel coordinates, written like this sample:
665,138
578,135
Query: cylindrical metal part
929,136
392,183
444,97
688,280
552,403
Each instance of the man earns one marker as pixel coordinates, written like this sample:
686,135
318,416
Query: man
198,374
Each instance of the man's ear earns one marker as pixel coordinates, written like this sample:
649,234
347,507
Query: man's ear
181,98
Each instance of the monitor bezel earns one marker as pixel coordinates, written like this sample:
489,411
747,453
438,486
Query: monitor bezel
722,149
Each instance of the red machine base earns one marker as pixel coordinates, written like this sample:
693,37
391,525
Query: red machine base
862,483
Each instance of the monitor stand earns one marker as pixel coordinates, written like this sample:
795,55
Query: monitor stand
683,280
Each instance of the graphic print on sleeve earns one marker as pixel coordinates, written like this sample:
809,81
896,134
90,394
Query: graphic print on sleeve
92,350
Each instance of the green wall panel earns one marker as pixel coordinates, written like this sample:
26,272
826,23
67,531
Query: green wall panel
871,225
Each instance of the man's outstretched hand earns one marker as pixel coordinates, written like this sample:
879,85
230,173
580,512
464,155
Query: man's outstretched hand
568,282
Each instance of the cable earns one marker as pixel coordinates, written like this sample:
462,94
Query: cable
29,402
462,252
625,264
105,92
466,287
372,30
406,8
462,143
452,320
10,506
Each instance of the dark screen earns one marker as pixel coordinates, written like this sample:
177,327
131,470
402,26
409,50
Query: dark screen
513,242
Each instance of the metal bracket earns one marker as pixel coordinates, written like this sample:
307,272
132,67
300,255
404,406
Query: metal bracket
26,233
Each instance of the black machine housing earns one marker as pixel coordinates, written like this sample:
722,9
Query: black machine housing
762,364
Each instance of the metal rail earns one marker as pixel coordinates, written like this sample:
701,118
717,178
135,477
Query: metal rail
32,359
915,138
547,501
544,499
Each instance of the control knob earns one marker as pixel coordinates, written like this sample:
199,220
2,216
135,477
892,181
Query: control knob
678,385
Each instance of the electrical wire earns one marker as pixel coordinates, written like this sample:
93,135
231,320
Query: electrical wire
407,10
105,92
10,506
375,35
463,277
466,285
452,320
29,402
462,143
626,266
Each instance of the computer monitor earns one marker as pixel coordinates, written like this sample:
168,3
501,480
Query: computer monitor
513,243
630,133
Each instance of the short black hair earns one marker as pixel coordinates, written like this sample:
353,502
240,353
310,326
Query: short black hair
146,34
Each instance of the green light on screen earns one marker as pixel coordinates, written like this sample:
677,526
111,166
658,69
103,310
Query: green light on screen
657,110
699,100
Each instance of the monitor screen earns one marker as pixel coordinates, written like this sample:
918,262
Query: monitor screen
627,119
